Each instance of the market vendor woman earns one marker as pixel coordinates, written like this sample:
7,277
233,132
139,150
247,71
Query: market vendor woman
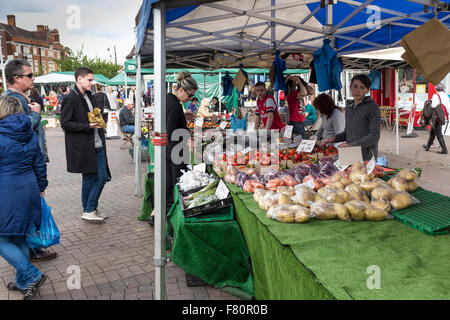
267,110
184,91
362,120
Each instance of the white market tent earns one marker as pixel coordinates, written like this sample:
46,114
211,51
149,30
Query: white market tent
215,34
54,78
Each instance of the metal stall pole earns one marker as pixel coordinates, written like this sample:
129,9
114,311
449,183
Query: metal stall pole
137,127
126,87
160,260
220,93
2,65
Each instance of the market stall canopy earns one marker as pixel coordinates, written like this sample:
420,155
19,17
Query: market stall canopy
220,34
67,76
54,78
130,68
120,80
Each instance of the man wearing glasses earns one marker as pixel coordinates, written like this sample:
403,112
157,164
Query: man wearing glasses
19,77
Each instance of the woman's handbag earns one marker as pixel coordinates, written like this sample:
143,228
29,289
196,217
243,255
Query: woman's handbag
48,234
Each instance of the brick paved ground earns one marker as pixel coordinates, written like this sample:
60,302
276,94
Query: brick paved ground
115,258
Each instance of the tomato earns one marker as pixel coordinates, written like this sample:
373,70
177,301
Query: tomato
235,157
291,152
224,157
297,157
235,163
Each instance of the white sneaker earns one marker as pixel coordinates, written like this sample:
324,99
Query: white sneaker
100,214
91,216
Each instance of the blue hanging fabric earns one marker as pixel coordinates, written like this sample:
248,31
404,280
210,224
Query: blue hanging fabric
237,124
227,82
328,68
48,233
375,77
280,67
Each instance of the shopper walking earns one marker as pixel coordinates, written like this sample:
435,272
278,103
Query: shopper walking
19,77
23,178
439,98
362,120
112,98
85,144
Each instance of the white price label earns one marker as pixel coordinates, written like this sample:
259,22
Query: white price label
371,165
223,125
309,184
222,191
340,167
251,126
262,132
199,122
246,150
200,167
306,146
288,131
297,138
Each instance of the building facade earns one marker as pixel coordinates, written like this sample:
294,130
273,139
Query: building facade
39,47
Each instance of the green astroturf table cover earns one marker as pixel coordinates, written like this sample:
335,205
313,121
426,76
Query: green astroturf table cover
344,260
213,251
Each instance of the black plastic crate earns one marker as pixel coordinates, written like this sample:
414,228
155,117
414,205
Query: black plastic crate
206,208
194,281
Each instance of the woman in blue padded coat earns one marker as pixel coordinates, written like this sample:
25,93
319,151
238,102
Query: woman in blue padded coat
23,178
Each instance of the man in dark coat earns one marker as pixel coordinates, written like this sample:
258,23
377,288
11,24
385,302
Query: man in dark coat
85,143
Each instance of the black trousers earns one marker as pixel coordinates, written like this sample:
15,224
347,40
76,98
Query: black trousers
173,172
435,132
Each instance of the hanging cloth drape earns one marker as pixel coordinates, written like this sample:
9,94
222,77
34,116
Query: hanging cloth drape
280,67
227,82
328,68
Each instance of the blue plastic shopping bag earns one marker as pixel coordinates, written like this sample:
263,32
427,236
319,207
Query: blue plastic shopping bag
48,234
237,124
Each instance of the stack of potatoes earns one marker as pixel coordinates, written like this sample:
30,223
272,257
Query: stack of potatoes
358,196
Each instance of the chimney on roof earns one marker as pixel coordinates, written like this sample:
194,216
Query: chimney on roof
55,35
11,20
40,27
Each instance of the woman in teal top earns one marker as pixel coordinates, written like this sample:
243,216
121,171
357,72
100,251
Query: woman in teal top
310,114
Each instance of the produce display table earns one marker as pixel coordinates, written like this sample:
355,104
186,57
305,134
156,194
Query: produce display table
333,259
213,251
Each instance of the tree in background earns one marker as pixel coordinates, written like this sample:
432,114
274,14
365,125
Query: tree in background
75,59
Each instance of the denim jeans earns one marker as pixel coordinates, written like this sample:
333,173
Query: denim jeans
93,183
15,250
299,128
128,129
307,122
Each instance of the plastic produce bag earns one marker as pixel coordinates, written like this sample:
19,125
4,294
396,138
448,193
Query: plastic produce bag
237,124
48,234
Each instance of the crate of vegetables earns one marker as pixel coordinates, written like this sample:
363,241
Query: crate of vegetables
203,201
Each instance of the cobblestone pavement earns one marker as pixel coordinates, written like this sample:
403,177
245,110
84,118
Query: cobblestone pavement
115,258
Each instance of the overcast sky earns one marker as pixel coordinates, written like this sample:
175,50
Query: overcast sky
98,25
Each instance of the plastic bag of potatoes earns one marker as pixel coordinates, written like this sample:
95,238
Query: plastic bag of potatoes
303,195
289,213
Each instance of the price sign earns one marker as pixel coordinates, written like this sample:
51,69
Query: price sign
246,150
371,165
309,184
199,122
251,126
294,145
297,138
288,131
306,146
222,191
341,167
262,132
200,167
223,125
